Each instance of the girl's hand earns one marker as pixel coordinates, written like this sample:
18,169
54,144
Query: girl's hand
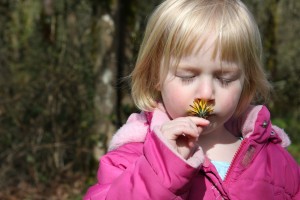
183,133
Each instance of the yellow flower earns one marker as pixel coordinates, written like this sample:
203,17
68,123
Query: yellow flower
200,108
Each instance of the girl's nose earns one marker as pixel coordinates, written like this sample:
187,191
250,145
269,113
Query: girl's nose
206,89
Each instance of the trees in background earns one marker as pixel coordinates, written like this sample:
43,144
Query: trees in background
61,86
279,25
52,54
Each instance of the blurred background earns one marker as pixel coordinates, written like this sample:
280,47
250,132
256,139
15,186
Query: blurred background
63,95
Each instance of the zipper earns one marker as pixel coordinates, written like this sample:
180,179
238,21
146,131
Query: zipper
234,160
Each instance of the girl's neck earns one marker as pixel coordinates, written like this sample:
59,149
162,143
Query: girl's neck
219,145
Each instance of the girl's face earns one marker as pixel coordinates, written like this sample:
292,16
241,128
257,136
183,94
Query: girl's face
200,76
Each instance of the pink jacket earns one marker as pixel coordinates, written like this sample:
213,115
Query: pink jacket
141,165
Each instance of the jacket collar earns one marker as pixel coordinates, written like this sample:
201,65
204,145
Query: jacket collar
137,127
254,122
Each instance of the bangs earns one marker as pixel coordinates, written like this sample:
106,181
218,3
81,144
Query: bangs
188,31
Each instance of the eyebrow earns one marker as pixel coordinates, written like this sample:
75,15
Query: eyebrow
223,69
186,68
235,72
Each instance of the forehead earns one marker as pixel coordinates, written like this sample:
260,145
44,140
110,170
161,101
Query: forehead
206,52
197,42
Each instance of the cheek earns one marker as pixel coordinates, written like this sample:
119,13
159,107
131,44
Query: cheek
175,100
231,99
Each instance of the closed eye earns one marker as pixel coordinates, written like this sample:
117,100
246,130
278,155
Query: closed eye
186,79
224,81
226,77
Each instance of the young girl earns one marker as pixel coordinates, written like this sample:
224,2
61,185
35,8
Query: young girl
207,52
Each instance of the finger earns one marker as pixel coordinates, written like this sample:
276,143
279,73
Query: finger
199,121
174,130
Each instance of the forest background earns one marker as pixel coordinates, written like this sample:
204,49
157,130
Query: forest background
63,95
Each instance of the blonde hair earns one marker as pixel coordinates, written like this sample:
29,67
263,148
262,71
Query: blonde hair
175,28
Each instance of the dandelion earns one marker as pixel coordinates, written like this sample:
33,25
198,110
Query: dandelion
200,108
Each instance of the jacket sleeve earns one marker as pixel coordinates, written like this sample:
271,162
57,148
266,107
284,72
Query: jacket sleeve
297,196
148,170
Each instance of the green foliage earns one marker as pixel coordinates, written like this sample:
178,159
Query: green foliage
294,149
